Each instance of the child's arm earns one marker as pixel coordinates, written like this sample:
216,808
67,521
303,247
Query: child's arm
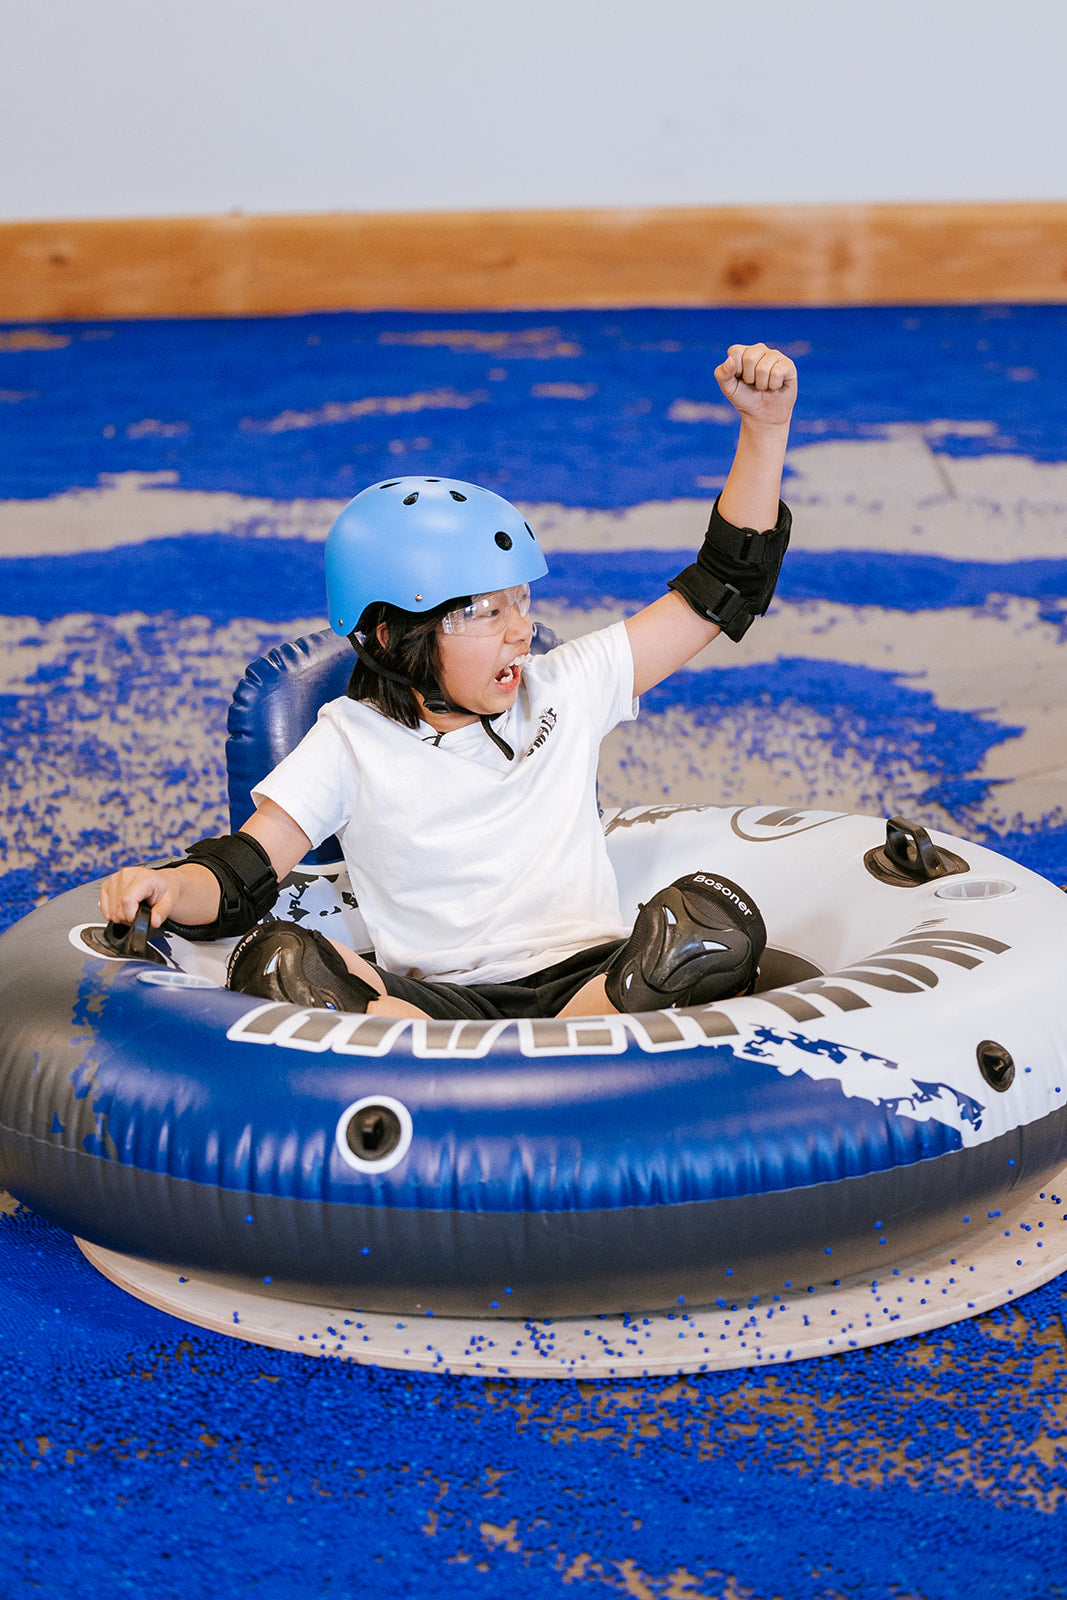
189,894
761,384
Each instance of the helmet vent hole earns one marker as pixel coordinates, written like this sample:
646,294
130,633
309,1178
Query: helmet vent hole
456,494
392,485
529,530
431,480
503,540
409,499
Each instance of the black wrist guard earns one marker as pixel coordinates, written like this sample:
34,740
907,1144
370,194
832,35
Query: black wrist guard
248,885
735,573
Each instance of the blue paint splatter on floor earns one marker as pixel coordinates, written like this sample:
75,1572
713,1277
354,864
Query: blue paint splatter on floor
143,1457
579,407
220,576
898,725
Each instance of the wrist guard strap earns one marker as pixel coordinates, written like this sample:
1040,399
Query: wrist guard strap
248,885
735,573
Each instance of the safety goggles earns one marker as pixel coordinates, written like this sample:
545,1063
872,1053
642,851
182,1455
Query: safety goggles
487,614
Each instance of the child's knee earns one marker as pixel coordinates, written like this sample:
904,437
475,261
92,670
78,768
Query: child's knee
281,961
697,941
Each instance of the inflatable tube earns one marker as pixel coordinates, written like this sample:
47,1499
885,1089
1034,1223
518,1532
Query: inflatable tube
899,1075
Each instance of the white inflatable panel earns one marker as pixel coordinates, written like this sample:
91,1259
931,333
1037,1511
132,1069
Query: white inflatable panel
1011,1254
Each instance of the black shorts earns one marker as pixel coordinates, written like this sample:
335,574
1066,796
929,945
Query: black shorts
541,994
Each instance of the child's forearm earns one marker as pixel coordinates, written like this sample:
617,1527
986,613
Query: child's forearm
752,490
195,894
189,894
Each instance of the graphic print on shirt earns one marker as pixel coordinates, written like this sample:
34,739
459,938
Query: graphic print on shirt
547,720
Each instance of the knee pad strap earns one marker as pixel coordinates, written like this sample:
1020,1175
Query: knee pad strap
697,941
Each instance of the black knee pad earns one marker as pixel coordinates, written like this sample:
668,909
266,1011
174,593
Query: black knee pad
697,941
281,961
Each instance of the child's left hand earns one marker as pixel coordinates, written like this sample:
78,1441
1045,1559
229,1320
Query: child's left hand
759,383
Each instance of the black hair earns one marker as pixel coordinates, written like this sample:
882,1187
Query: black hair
410,651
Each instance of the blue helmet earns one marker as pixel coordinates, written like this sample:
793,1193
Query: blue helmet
417,542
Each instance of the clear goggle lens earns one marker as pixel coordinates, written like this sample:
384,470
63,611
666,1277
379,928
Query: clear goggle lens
488,614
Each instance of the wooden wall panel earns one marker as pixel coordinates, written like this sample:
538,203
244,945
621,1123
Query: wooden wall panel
804,255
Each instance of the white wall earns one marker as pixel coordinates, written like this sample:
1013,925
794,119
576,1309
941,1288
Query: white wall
163,107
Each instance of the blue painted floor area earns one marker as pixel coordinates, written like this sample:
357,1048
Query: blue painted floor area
164,491
584,407
143,1457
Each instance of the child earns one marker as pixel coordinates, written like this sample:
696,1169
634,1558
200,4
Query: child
460,772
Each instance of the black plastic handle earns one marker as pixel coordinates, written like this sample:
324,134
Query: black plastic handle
910,857
131,939
125,942
910,849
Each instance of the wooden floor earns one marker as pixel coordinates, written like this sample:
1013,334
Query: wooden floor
762,255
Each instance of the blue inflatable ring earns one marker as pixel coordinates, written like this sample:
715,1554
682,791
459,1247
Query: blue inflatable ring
899,1075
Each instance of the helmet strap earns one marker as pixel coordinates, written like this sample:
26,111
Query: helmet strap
501,744
433,696
358,644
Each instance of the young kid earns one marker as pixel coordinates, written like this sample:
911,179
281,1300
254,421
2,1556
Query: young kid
459,772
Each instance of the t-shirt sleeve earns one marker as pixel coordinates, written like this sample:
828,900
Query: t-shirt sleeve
315,783
598,670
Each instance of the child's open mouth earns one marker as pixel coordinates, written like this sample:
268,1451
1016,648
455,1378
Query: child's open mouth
508,676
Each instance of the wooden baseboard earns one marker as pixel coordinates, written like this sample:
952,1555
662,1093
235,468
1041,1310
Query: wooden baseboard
741,255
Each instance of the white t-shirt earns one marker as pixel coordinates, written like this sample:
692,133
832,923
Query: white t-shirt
468,867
